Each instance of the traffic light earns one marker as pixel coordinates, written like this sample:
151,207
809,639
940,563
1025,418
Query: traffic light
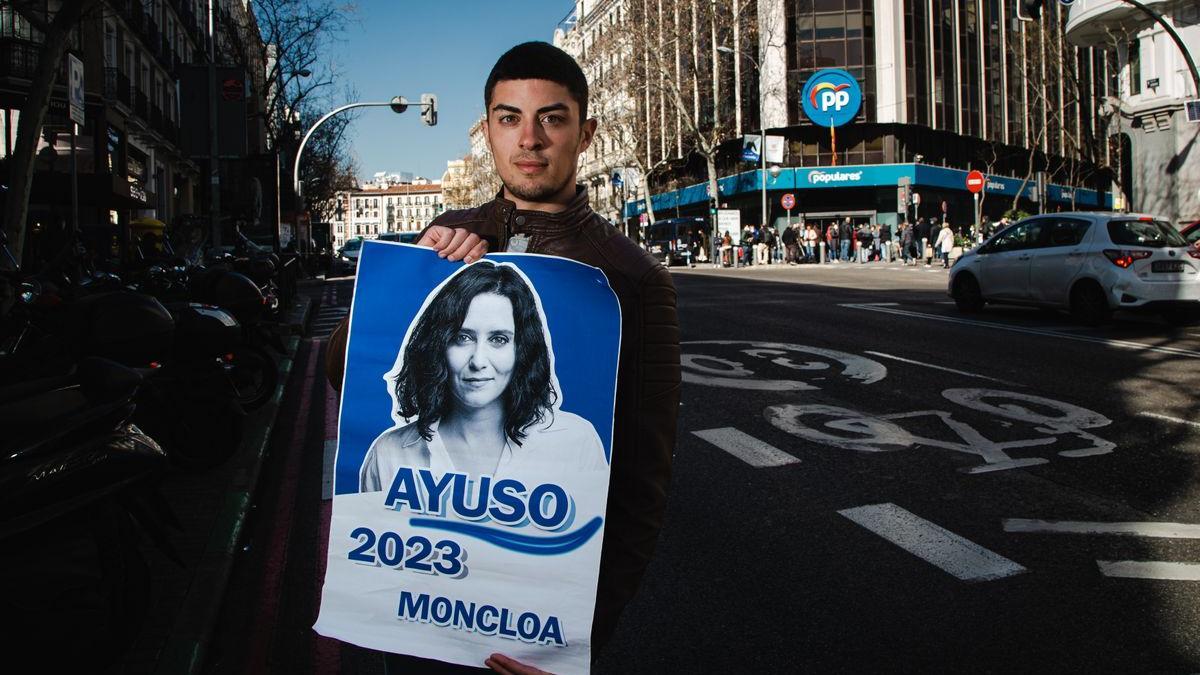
1029,10
399,104
429,109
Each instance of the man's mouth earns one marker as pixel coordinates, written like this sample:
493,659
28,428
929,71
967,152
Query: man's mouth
531,167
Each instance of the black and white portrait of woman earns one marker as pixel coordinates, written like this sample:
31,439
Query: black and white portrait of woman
474,389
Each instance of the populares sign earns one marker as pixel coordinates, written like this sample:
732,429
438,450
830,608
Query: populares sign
831,97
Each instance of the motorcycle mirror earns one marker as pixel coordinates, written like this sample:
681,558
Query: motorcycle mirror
30,290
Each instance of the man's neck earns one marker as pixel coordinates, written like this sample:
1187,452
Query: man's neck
554,204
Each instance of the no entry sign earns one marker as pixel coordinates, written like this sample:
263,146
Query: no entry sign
975,181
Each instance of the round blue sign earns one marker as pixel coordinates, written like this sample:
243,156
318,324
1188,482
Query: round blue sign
831,97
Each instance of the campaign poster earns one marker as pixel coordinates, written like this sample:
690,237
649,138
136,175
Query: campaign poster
473,454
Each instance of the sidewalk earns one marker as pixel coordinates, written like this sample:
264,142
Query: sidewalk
211,507
826,266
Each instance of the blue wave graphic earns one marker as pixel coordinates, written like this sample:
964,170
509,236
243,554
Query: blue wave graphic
521,543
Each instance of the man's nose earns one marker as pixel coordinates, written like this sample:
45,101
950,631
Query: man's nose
532,137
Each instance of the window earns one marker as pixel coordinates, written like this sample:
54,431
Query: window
1016,238
1135,67
1066,231
110,46
1151,234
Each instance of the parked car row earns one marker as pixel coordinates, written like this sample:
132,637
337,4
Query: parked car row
351,249
1090,264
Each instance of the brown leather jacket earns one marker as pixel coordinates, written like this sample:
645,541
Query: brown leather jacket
647,381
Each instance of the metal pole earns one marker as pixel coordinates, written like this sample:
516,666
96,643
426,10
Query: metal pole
74,185
762,156
214,167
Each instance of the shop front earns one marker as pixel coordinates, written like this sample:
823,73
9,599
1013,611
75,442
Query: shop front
874,194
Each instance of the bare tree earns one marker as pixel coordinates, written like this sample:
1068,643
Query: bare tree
56,34
678,73
299,79
1055,134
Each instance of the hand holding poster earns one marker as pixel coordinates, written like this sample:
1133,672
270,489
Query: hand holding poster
473,458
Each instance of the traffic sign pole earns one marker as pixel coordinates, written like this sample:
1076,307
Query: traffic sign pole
75,112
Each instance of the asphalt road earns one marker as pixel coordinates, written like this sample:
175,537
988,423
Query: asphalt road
864,480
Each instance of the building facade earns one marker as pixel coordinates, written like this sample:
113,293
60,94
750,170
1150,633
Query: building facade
947,86
1154,143
133,158
380,207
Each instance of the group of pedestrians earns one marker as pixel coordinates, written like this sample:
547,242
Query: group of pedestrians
845,242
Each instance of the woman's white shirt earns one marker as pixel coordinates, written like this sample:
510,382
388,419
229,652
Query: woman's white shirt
552,450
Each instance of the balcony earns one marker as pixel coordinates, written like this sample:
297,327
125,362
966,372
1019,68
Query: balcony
116,87
1091,21
18,58
135,15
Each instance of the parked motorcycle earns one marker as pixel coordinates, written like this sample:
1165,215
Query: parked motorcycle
77,496
187,403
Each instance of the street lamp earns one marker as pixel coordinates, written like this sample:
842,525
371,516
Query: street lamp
398,104
762,121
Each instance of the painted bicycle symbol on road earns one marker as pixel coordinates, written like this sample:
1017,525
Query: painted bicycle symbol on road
1038,422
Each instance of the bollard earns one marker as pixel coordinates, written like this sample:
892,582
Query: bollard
821,254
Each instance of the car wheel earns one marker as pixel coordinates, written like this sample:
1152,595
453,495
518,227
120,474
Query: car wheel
967,296
1181,317
1088,304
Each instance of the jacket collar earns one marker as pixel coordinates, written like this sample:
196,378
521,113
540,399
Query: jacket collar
542,222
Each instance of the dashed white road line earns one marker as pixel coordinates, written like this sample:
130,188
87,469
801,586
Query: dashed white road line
1135,529
1153,569
747,448
1168,418
942,368
1123,344
932,543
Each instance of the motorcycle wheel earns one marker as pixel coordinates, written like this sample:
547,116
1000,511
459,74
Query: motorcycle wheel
198,429
253,377
77,588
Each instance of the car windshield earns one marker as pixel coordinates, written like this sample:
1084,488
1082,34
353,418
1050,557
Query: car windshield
353,245
1148,233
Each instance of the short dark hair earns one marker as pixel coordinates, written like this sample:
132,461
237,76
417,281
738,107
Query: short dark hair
423,385
539,61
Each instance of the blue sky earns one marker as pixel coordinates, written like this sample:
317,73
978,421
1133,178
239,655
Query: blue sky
443,47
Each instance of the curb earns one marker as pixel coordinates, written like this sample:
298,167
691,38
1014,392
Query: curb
185,648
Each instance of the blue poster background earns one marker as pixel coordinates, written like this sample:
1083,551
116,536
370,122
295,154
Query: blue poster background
393,281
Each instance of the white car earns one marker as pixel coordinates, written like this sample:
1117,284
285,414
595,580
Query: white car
1088,263
351,250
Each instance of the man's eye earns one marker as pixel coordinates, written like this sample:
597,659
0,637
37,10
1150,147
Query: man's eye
552,120
508,119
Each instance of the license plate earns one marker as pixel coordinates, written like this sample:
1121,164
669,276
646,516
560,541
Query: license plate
1175,266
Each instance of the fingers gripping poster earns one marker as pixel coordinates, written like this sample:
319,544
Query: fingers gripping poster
473,456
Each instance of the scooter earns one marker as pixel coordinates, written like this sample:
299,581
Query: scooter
77,496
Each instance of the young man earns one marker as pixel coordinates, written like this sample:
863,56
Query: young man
536,100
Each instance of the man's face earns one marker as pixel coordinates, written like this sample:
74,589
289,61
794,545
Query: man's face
536,135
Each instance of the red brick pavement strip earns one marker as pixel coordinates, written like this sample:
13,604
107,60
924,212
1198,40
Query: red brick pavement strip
267,605
184,650
327,652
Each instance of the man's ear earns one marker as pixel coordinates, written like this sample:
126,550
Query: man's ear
588,132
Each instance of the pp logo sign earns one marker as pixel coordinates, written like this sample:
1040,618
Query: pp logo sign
831,97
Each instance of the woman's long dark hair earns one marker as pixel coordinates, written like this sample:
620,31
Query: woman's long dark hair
423,385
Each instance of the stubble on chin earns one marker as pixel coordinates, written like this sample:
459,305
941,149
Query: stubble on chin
534,192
